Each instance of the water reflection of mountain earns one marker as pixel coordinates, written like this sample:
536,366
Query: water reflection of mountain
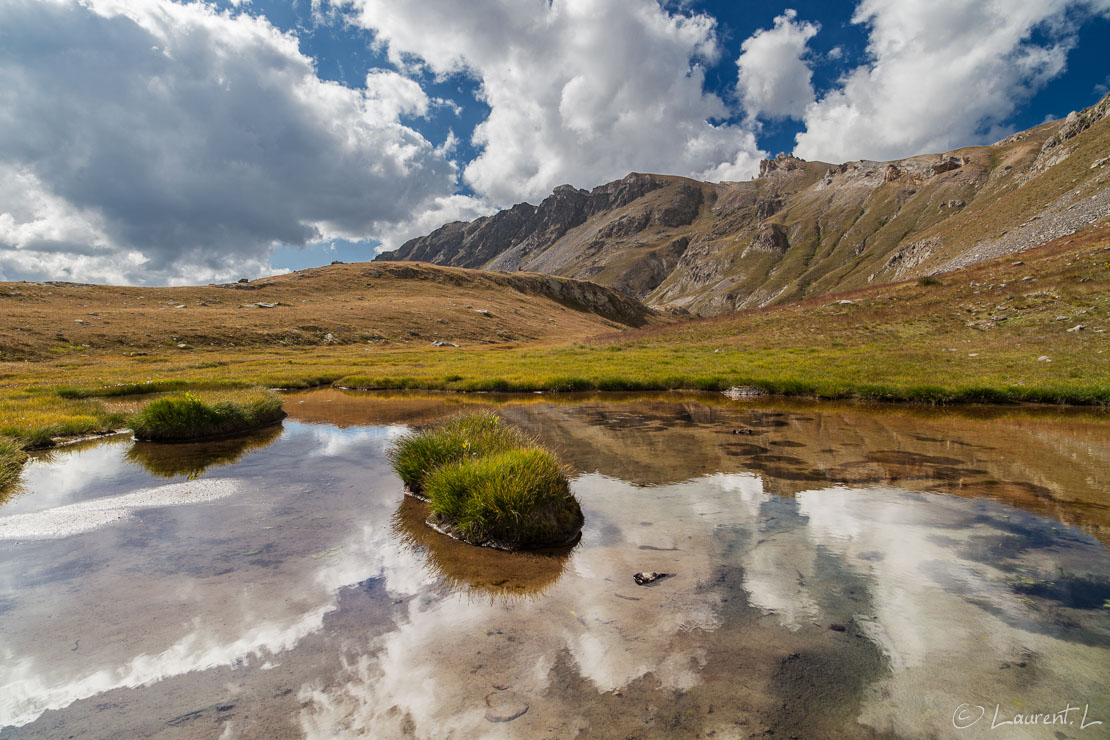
1049,462
193,459
1057,466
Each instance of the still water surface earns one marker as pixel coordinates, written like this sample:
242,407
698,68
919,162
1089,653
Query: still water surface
839,571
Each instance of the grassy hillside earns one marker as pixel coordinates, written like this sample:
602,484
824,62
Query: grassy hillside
865,223
978,335
371,306
801,229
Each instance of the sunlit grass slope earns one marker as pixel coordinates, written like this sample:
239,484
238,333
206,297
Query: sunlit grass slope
1001,331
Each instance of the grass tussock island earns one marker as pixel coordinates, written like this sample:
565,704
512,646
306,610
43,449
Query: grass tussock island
465,436
187,417
488,484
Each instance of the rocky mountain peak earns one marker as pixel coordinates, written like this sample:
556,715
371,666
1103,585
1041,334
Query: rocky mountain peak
781,163
1078,122
800,228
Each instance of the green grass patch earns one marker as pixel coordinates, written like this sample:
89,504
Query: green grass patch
488,484
512,500
469,435
121,389
34,417
189,417
12,458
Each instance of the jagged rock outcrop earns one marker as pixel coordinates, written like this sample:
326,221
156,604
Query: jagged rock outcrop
770,238
781,163
947,164
800,228
909,256
682,209
524,227
1078,122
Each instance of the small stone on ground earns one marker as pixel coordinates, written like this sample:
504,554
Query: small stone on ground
646,577
505,706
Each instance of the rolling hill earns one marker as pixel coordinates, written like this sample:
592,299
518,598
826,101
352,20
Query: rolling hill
381,305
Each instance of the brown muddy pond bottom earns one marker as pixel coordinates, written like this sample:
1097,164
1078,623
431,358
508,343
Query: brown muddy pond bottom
839,571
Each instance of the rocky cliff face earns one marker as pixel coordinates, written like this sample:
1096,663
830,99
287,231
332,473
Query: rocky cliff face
800,228
511,234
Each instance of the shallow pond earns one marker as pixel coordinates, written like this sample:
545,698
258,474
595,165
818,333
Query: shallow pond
838,571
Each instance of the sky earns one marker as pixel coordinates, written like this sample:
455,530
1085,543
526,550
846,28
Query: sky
154,142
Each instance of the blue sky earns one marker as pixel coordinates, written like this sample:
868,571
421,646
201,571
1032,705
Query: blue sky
345,53
154,141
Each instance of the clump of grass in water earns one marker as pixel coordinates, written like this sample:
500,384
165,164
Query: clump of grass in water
469,435
489,484
12,458
188,417
511,500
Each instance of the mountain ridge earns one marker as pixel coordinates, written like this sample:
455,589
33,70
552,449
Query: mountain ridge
800,228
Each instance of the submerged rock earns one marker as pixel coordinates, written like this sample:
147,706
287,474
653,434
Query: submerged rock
444,525
505,706
646,577
738,392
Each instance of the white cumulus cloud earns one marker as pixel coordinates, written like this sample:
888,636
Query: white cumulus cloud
941,74
164,142
773,79
580,91
151,141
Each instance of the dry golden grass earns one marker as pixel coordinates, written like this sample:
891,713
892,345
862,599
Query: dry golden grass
374,305
928,343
